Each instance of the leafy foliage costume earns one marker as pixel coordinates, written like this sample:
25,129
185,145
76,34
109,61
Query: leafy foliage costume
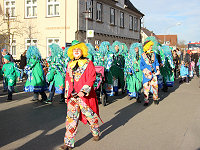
117,68
56,72
106,49
36,79
168,66
133,72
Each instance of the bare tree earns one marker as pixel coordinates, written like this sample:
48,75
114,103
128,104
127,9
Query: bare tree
9,29
182,44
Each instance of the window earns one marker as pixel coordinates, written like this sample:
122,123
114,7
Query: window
131,22
53,8
99,12
97,42
89,8
135,24
9,8
121,19
13,47
30,8
30,42
112,16
51,41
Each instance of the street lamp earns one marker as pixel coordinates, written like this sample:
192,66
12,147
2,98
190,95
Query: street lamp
177,24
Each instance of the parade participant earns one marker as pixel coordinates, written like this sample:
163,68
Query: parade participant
98,57
167,69
150,68
124,50
91,51
5,52
184,72
36,80
133,72
66,57
176,63
56,73
106,48
81,98
11,73
117,68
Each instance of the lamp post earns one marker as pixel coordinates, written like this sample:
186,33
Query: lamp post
177,24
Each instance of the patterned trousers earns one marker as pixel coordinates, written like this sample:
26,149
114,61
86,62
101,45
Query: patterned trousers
154,84
75,106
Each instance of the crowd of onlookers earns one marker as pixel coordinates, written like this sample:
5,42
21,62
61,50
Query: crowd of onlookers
186,63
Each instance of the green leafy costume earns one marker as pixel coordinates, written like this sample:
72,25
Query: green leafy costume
167,68
11,73
106,49
132,70
36,79
56,72
117,68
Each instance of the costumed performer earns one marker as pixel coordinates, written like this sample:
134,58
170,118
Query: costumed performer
36,79
80,96
150,68
56,73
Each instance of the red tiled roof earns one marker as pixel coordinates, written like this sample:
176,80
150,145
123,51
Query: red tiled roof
173,39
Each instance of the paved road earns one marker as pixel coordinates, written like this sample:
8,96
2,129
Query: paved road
174,124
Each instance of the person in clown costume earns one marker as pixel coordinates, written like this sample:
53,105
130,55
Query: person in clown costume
150,68
80,96
133,72
36,80
117,68
56,73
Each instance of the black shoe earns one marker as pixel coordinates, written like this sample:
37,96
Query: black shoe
9,99
116,93
138,100
156,102
146,104
62,101
123,91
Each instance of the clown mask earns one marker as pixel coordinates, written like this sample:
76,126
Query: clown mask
77,53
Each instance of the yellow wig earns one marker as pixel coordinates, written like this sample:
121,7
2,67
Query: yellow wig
147,46
81,46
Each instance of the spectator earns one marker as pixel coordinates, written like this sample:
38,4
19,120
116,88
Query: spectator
22,65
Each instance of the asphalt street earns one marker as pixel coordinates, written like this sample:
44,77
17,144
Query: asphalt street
174,124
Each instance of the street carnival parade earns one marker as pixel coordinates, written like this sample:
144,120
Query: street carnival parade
87,77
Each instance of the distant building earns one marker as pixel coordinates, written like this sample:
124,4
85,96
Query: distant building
171,40
44,22
146,33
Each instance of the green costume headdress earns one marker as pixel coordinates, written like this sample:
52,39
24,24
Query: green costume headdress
56,53
132,49
155,45
91,50
33,52
125,49
103,48
120,47
7,57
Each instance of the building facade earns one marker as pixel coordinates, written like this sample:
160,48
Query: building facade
41,23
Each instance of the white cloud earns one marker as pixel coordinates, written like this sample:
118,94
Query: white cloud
161,17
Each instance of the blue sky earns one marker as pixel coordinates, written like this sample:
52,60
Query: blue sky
161,17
